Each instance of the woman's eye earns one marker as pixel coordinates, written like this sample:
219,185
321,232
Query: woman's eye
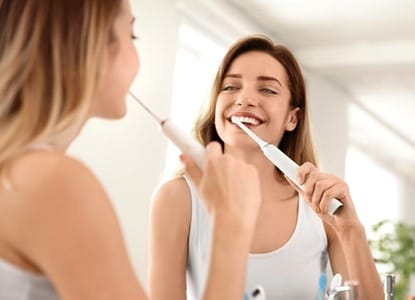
134,37
269,91
229,88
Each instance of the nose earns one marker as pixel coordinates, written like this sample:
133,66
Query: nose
245,99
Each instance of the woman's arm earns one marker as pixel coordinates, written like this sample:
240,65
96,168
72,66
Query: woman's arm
335,251
231,192
169,230
353,247
227,270
68,229
348,247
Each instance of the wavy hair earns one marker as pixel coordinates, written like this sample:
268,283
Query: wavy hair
50,57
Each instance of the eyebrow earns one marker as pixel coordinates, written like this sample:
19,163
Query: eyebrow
261,78
132,20
269,78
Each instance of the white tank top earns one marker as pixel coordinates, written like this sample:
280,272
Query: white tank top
18,284
290,272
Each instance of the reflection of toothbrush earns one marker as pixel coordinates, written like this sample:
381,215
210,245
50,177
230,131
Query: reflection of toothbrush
281,161
336,281
184,141
322,286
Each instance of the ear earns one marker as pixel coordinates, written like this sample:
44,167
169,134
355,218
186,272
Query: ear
292,119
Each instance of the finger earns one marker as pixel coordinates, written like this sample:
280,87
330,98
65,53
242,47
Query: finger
309,185
213,153
328,194
320,187
303,171
191,169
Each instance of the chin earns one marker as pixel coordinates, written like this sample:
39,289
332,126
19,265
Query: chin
114,113
119,114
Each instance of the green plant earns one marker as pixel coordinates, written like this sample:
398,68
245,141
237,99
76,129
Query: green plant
393,247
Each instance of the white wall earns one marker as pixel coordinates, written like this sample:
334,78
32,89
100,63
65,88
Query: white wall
128,155
329,121
407,204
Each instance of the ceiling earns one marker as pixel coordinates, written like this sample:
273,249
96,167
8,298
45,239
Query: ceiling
364,47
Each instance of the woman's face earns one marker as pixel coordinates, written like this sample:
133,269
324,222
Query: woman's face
119,68
255,89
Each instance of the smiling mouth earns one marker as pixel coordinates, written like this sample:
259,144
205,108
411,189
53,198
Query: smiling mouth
250,121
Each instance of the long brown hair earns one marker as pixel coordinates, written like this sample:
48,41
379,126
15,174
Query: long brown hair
297,144
50,57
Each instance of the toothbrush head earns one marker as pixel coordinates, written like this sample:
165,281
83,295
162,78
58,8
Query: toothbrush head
248,131
235,120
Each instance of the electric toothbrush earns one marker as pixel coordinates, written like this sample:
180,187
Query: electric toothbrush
184,141
322,282
282,161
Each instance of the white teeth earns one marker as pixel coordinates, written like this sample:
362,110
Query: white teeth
247,120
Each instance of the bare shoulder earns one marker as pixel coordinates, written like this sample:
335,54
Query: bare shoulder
173,193
62,221
42,169
54,179
172,201
169,232
52,188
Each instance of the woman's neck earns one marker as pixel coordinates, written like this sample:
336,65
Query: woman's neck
272,182
50,144
60,141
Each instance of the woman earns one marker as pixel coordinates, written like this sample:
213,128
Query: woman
261,84
62,62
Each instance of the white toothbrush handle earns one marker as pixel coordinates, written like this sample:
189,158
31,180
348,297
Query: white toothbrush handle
334,205
185,142
289,168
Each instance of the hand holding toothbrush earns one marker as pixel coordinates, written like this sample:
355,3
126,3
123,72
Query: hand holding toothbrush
344,232
319,188
228,186
230,190
283,163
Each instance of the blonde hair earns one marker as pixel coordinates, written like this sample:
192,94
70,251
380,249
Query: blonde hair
297,144
50,56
